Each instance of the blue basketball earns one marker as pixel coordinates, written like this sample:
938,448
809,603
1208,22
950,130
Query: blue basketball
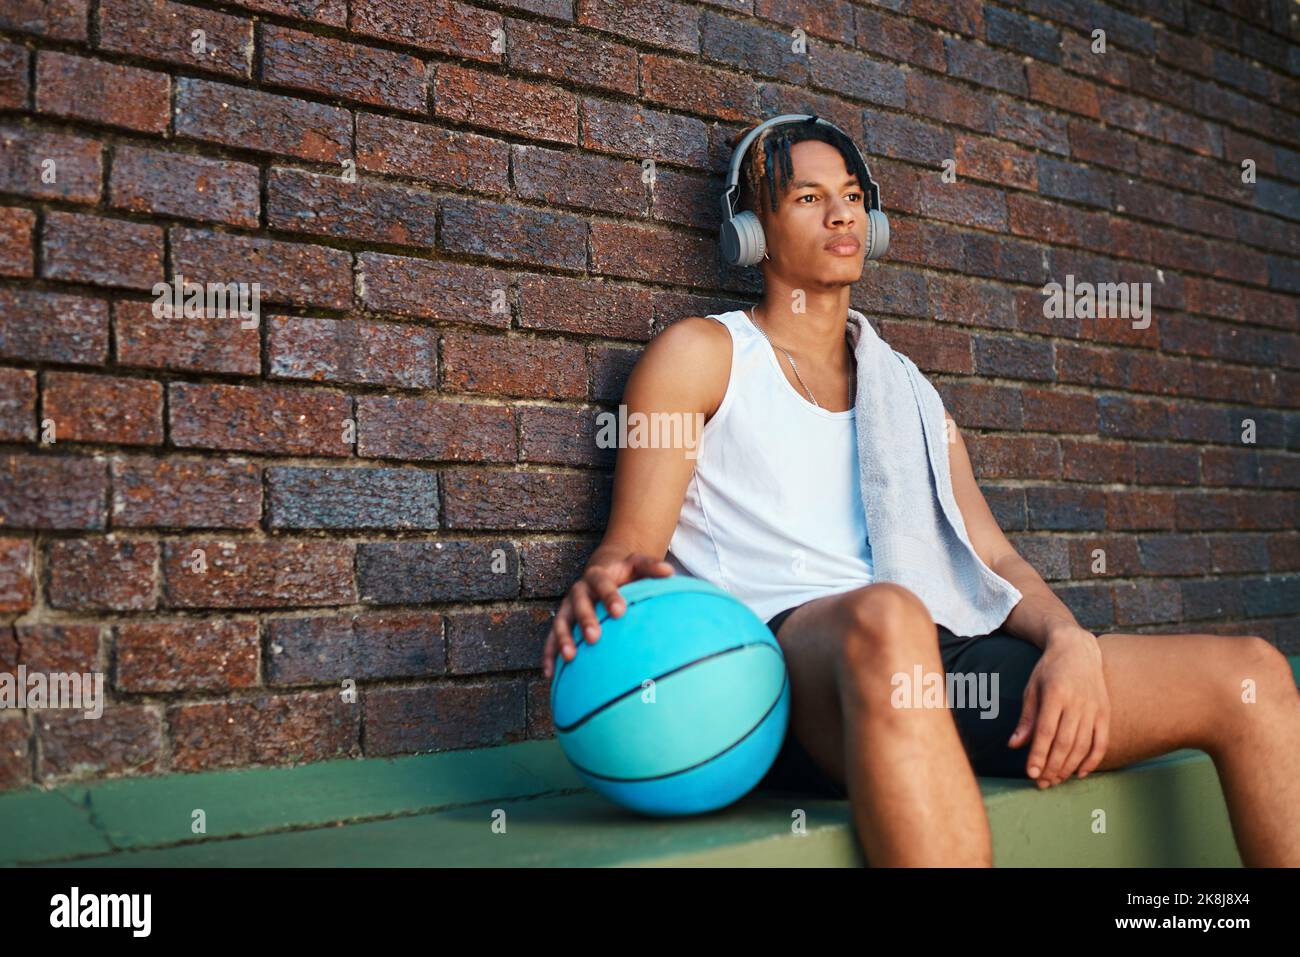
681,705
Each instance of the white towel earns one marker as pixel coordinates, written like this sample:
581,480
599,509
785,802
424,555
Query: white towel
915,529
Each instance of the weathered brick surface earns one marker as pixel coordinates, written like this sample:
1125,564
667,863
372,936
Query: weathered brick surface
401,573
206,343
52,492
93,408
366,353
75,87
101,251
212,655
185,493
269,729
466,222
103,575
352,498
16,585
369,646
17,405
210,573
183,186
16,241
126,739
399,427
443,717
260,419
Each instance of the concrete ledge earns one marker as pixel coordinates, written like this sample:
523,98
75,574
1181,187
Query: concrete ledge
438,809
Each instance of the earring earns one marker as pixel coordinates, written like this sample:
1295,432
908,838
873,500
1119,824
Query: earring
765,255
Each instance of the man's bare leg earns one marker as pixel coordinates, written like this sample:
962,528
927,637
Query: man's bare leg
914,795
1186,691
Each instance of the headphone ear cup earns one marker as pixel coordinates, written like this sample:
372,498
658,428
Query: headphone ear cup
879,234
742,239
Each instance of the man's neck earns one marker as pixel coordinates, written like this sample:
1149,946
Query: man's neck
817,333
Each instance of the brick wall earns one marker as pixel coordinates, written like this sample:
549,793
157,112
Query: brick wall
462,244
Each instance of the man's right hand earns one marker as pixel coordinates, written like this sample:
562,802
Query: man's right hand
599,582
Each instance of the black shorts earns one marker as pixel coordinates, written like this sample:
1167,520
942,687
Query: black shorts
985,739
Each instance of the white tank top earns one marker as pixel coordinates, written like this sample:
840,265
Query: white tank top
773,512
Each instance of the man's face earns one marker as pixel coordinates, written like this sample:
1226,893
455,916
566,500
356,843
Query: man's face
824,205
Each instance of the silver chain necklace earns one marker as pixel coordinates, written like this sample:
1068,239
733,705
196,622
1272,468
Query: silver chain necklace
787,355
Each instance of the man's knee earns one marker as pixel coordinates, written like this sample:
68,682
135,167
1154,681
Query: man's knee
883,618
1261,673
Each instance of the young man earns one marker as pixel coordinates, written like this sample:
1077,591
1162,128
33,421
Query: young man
776,477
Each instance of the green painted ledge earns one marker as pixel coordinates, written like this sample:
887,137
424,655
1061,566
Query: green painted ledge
438,809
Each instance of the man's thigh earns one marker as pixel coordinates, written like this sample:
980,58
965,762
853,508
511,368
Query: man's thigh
811,638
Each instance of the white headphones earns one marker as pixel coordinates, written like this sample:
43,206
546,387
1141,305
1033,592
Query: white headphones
741,237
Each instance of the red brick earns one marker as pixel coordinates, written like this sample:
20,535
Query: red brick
558,50
488,641
57,19
1021,456
189,187
125,739
1048,84
330,350
186,493
160,30
269,729
652,253
513,365
534,110
102,575
432,154
15,752
559,435
260,419
13,76
341,70
164,656
205,344
424,289
559,178
533,500
16,241
299,201
73,164
265,122
695,88
251,574
421,572
1100,462
101,251
331,12
362,647
91,408
52,492
932,349
41,326
107,93
671,25
630,129
15,575
404,720
297,273
455,28
591,306
397,427
17,405
59,647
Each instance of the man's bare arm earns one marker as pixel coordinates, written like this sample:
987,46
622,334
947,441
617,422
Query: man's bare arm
1040,617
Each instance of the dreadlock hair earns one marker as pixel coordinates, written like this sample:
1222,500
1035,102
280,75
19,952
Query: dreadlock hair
770,154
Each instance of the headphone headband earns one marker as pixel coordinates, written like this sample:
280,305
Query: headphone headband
738,157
